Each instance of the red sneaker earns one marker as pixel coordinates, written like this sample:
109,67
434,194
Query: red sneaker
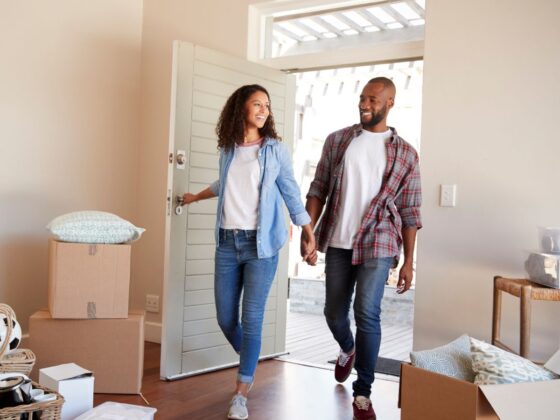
344,365
363,410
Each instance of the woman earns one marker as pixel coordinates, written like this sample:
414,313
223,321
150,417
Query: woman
255,176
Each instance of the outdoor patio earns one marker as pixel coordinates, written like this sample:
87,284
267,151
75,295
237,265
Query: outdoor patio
309,340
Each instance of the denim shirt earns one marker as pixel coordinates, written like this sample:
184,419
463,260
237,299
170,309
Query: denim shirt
276,184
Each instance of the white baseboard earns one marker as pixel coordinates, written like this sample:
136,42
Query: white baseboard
152,332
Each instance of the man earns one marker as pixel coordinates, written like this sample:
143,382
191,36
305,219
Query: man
370,181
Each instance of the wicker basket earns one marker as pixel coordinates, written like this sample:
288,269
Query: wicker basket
49,410
20,360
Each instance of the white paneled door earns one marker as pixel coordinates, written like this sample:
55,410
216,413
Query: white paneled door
202,81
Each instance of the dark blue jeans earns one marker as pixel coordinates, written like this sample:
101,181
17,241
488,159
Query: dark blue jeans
238,269
369,281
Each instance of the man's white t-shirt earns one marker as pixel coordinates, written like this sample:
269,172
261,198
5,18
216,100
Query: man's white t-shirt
241,193
364,166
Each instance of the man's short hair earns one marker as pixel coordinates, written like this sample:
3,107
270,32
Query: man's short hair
386,82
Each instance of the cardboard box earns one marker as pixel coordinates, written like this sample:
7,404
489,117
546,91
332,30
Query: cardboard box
553,364
74,383
526,400
113,349
88,280
425,395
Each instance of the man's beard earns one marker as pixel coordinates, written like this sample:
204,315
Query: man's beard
376,118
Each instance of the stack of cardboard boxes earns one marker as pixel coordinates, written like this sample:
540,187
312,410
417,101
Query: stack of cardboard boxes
88,321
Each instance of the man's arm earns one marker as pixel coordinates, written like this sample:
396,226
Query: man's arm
316,198
408,205
314,208
406,271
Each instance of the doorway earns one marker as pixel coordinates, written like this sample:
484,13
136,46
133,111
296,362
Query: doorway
326,100
192,342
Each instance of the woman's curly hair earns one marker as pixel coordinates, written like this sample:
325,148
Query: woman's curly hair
231,124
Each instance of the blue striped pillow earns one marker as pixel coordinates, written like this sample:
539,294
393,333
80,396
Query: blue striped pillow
93,227
452,359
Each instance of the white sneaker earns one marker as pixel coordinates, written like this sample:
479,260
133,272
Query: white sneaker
238,408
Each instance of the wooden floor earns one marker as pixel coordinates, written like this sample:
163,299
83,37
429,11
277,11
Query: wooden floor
309,340
282,390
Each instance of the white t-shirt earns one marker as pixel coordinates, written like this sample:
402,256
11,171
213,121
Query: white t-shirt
364,166
241,193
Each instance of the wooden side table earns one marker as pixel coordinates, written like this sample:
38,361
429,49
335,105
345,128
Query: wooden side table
526,291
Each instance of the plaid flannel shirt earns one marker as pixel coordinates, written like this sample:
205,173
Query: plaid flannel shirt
397,204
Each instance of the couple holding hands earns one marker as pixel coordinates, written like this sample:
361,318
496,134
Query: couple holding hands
367,189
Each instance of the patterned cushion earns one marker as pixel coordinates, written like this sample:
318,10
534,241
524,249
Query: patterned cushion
496,366
453,359
93,227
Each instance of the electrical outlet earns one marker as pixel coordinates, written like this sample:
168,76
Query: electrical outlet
448,195
152,303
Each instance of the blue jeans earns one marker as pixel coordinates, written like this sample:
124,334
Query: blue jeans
369,281
238,269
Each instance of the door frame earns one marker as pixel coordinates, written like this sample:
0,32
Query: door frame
172,295
356,52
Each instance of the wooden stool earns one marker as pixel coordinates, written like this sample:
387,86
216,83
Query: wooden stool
526,291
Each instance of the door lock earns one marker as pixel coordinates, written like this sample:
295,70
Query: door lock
179,205
180,159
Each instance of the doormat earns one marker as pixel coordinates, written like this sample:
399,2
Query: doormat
385,366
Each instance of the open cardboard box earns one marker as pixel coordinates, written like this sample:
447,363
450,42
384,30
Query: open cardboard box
425,395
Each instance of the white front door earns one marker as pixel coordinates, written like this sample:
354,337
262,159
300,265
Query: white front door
202,81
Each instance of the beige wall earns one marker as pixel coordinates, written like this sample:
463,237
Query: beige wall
69,127
490,124
217,24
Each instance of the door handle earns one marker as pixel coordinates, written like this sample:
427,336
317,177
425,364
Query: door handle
179,205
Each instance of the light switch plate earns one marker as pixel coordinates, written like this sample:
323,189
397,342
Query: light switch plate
448,195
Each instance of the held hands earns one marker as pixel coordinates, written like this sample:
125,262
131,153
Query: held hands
405,277
308,248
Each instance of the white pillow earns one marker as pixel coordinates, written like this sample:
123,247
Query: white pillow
93,227
493,365
452,359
